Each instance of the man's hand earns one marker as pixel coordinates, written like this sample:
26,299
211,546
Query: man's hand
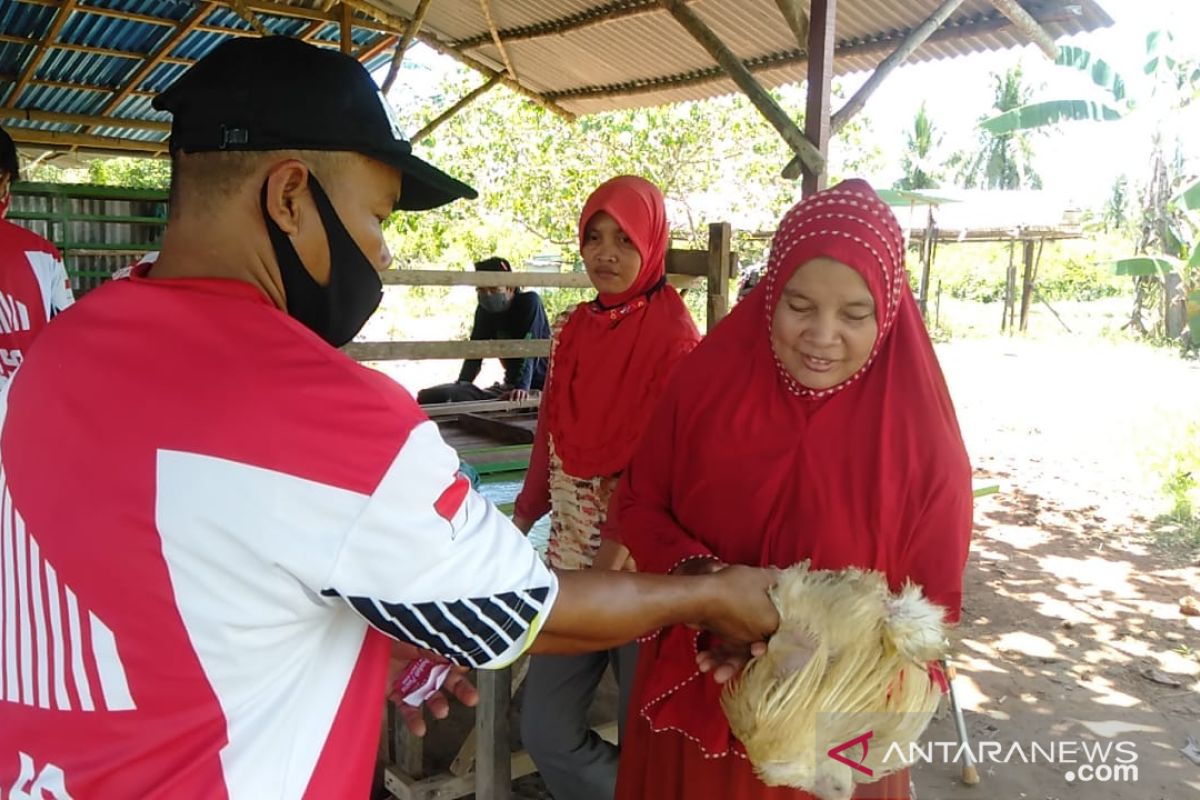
456,684
515,395
739,608
614,556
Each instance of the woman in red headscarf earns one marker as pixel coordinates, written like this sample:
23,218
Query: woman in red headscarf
609,363
839,445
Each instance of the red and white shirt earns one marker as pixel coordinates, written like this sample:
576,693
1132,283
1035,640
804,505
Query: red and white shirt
33,288
201,564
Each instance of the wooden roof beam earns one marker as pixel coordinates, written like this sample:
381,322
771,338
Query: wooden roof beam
107,12
1029,26
465,101
762,100
93,120
957,29
80,48
44,42
245,12
818,128
571,22
410,31
182,30
377,46
65,141
396,23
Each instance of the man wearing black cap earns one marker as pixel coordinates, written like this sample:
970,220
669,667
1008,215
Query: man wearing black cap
255,520
503,312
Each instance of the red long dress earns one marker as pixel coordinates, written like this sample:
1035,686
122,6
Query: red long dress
742,464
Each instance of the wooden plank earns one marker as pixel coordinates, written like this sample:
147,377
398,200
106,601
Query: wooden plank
420,351
552,280
464,762
434,410
915,39
493,759
720,235
809,152
822,40
496,429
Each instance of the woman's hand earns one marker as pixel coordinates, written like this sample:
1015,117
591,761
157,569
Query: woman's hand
456,685
725,660
700,565
614,556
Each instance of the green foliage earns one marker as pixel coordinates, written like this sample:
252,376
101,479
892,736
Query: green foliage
921,169
1001,160
135,173
1048,112
714,159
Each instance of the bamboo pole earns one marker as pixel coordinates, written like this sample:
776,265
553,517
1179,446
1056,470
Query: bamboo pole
465,101
398,22
244,11
917,37
61,140
1029,26
810,154
797,19
486,7
410,31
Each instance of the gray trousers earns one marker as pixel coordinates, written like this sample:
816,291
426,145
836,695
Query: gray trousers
574,761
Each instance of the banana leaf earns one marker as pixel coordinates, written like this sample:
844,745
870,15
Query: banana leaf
1141,266
1048,112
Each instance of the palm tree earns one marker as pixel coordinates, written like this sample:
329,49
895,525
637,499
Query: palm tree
1001,160
921,171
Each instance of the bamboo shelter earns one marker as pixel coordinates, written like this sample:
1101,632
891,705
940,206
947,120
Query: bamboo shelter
77,76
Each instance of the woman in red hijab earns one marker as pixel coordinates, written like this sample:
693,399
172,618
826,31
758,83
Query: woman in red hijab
812,423
609,363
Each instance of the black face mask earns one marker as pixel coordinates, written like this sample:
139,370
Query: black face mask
338,311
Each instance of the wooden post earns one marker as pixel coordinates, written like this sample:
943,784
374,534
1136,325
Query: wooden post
1027,284
720,269
809,153
926,266
915,39
1008,281
406,751
822,16
493,760
466,100
346,29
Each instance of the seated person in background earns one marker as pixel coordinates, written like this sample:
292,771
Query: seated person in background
504,312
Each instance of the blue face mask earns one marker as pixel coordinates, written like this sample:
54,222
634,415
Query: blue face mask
495,303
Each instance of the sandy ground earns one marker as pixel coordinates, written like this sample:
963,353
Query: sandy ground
1071,629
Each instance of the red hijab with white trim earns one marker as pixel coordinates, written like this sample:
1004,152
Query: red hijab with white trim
761,470
614,354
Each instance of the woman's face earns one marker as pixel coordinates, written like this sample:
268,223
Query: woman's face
610,257
824,325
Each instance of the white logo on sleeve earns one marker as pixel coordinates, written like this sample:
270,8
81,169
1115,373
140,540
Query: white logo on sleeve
49,782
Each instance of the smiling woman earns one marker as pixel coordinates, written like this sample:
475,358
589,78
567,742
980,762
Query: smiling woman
824,326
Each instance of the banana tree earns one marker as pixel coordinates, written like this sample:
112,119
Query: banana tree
1167,265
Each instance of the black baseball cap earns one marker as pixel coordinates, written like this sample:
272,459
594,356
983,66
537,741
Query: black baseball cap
277,93
493,264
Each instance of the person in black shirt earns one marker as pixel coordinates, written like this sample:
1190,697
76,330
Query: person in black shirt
503,312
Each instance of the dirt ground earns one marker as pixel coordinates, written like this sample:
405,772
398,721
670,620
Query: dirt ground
1071,628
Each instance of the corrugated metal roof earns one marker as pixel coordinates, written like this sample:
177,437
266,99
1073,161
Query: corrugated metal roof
583,55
